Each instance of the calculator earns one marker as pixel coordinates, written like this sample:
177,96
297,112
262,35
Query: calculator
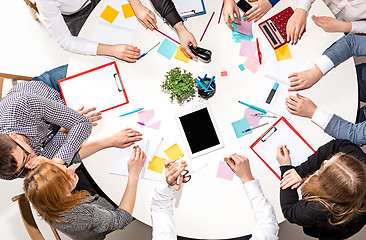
274,28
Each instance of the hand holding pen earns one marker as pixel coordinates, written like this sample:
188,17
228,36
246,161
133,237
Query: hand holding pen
173,171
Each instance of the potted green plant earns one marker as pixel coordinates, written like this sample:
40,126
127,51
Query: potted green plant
179,85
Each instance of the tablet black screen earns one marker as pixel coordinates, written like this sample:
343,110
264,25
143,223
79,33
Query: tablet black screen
199,130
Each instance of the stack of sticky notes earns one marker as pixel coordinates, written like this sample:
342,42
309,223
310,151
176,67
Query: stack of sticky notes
242,31
170,49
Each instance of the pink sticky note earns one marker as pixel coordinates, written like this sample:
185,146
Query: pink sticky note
248,49
225,171
155,125
253,120
252,64
146,115
244,27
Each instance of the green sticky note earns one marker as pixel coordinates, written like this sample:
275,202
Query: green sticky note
241,67
167,49
240,126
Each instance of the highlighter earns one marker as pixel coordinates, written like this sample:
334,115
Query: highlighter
272,93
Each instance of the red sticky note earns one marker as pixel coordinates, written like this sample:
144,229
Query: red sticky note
224,73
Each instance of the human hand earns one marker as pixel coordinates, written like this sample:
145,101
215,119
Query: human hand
186,39
124,138
283,155
240,165
291,179
173,172
91,114
36,161
300,105
145,16
329,24
258,10
305,79
125,52
296,25
229,12
136,162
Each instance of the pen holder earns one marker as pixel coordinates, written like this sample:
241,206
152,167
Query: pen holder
211,90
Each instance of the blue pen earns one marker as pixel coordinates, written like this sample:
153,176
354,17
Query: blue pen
136,110
255,108
144,54
249,129
209,85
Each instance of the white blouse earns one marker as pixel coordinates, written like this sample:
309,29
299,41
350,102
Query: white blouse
344,10
52,11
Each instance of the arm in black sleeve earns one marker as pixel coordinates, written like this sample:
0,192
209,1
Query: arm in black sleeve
167,10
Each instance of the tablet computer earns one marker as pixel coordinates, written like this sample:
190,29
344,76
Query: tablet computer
199,130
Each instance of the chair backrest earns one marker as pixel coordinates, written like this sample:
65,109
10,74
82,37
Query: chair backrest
28,219
32,5
14,79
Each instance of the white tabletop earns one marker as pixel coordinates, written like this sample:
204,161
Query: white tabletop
209,207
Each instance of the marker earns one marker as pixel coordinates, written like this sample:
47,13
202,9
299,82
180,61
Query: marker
272,93
157,149
144,54
141,123
166,36
259,52
203,34
255,108
260,125
209,84
137,110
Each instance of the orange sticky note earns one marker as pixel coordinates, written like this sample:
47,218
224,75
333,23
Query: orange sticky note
283,52
174,152
127,10
156,164
109,14
180,55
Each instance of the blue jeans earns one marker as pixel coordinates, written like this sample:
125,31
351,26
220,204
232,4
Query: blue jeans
51,77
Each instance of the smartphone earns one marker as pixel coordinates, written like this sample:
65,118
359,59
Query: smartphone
244,5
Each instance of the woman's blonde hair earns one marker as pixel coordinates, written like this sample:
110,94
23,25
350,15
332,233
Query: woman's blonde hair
340,187
47,187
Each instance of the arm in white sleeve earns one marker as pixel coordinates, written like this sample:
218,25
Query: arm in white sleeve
162,213
304,4
321,118
59,30
358,27
266,226
324,64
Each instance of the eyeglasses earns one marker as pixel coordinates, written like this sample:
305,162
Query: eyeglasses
25,160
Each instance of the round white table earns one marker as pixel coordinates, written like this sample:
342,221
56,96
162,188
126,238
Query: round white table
209,207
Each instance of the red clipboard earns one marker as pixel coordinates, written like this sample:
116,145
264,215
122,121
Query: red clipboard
281,133
100,87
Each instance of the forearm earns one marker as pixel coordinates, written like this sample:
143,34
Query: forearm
342,129
129,197
105,49
92,147
167,10
346,47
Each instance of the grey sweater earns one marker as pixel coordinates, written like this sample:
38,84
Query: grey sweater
93,219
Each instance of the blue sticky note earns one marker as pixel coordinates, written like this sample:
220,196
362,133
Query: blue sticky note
167,49
240,126
241,67
237,36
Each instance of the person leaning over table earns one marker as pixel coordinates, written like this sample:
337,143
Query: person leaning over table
266,226
65,18
349,18
167,10
50,189
34,121
333,204
231,11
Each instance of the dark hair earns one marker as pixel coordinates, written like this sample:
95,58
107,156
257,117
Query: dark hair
340,187
8,163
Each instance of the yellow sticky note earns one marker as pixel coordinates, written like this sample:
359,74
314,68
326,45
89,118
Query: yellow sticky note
156,164
109,14
180,55
127,10
283,52
174,152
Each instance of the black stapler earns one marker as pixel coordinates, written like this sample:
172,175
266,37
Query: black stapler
203,54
